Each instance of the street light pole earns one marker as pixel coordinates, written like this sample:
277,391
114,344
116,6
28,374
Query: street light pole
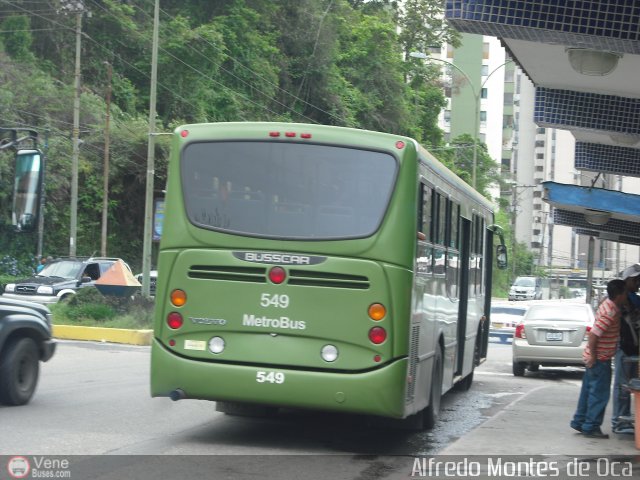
476,96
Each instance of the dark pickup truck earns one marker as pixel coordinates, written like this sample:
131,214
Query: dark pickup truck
25,341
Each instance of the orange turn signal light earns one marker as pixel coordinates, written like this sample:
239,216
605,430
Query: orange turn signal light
377,311
178,298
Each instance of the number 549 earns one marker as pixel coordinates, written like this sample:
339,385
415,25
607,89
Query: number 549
269,377
279,301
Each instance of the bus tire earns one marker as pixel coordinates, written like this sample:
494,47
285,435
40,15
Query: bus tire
19,369
432,410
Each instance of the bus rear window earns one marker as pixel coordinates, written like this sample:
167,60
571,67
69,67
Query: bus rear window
286,190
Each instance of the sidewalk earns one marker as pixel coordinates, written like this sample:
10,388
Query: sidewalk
538,424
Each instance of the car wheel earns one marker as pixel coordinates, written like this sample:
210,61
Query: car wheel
433,409
519,368
19,369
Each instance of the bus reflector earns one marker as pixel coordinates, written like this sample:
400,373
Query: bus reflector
329,353
305,135
399,144
174,320
377,335
377,311
290,134
216,345
172,343
377,358
277,275
274,134
178,298
184,133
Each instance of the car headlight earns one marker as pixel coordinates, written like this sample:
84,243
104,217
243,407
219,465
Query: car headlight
45,290
10,287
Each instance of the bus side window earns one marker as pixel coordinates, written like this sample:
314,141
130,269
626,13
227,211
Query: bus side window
424,213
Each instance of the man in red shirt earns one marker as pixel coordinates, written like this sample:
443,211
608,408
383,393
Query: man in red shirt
601,347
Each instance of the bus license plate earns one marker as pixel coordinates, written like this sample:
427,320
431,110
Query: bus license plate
554,336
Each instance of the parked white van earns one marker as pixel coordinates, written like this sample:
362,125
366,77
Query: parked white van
529,288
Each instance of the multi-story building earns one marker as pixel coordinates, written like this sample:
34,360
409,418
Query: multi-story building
484,82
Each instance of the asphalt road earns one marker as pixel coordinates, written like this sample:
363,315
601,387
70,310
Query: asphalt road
93,399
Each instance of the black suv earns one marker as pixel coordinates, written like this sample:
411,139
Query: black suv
25,340
59,279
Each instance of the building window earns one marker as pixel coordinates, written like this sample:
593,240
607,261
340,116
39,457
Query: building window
537,194
539,169
483,116
536,231
507,121
540,156
485,70
483,137
508,76
508,98
447,116
485,50
483,93
540,130
539,143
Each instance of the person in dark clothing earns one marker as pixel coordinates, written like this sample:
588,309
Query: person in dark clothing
625,369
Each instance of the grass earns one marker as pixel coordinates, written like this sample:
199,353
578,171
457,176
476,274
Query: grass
89,308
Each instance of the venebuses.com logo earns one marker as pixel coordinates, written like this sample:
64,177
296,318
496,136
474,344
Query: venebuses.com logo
18,467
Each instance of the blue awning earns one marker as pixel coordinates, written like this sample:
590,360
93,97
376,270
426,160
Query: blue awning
606,214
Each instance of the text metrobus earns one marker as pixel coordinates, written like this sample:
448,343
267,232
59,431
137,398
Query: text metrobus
318,267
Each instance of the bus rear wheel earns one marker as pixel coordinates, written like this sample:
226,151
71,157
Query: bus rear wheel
432,411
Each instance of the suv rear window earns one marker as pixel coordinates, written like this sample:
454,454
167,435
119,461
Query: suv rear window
286,190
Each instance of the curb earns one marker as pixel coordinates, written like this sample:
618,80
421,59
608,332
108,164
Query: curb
101,334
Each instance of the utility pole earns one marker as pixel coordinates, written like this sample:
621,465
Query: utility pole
75,7
105,173
148,209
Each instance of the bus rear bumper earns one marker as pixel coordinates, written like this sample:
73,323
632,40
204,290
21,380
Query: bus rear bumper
377,392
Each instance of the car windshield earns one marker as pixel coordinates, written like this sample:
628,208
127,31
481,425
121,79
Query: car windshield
558,313
63,269
508,310
525,282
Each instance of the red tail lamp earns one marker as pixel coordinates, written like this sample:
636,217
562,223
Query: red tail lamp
377,335
174,320
519,333
277,275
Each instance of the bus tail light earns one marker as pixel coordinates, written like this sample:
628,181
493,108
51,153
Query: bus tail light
377,335
174,320
277,275
178,298
377,311
519,333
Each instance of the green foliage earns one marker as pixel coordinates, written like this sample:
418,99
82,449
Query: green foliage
90,308
16,37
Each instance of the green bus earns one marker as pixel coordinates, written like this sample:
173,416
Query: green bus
318,267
